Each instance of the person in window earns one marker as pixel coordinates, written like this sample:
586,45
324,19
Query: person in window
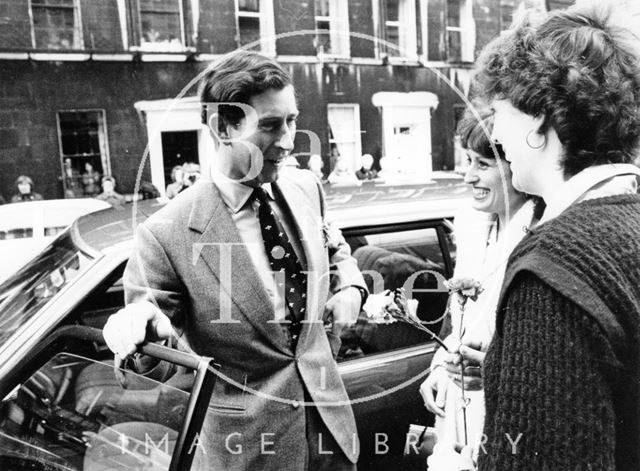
486,233
24,185
109,194
176,184
90,181
366,172
72,180
266,332
562,374
190,174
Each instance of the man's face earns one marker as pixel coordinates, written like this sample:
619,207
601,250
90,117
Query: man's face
269,137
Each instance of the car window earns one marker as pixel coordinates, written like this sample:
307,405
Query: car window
18,233
395,258
32,287
74,413
103,301
54,230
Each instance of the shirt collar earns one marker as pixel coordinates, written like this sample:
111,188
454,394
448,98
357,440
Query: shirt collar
235,194
582,184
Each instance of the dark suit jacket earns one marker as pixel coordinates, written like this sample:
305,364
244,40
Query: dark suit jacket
189,262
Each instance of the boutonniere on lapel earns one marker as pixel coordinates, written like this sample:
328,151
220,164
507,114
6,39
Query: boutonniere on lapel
326,234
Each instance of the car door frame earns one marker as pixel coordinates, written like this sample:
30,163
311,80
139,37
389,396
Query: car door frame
68,339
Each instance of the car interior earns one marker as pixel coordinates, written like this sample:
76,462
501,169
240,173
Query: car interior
74,410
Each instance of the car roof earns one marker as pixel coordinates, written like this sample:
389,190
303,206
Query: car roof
352,206
47,213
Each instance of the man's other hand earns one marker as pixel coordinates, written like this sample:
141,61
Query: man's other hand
343,307
131,325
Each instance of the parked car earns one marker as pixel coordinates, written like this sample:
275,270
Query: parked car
66,408
26,228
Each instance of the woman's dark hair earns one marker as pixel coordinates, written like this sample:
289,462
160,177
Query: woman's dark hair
580,68
475,129
235,78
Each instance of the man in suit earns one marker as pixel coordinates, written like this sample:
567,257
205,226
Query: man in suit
246,270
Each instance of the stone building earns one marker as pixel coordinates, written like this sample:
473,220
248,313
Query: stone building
111,82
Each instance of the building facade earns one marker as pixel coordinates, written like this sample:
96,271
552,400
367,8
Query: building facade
111,83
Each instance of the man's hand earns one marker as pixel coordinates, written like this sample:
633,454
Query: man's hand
129,327
469,357
434,390
343,307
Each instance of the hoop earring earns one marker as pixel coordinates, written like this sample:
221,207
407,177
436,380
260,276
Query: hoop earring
544,141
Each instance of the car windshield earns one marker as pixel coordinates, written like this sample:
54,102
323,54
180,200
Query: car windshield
26,292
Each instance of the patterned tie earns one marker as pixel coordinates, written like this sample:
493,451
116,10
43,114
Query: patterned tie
283,258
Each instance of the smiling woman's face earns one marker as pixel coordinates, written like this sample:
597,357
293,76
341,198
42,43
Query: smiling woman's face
486,176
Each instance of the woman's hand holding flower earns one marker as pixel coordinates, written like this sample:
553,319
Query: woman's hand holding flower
434,390
466,355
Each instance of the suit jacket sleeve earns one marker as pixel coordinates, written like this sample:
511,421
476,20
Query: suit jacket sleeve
150,276
343,267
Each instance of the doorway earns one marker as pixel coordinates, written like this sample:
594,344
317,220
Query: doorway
178,148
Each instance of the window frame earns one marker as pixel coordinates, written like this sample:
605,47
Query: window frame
503,6
266,26
130,15
71,339
466,31
77,25
406,26
105,159
356,131
339,32
442,228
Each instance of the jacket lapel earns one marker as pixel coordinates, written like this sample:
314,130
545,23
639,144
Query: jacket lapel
308,224
219,246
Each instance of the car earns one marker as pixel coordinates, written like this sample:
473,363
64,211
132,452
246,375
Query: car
26,228
65,407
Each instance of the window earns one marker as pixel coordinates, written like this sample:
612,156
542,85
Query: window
25,293
344,133
332,28
507,8
389,260
256,23
161,25
71,410
400,27
82,137
56,24
460,31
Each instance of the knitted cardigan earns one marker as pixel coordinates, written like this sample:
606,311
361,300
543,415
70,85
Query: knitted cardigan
562,375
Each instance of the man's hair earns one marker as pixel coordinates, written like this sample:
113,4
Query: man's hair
580,68
475,129
237,77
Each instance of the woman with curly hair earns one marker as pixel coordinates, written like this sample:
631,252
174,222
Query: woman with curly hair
562,374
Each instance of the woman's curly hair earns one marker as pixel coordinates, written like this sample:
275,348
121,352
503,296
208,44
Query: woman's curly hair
580,68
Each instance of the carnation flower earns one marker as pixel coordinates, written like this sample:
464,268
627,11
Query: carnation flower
393,306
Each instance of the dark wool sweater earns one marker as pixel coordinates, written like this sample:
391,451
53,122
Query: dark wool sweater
563,369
